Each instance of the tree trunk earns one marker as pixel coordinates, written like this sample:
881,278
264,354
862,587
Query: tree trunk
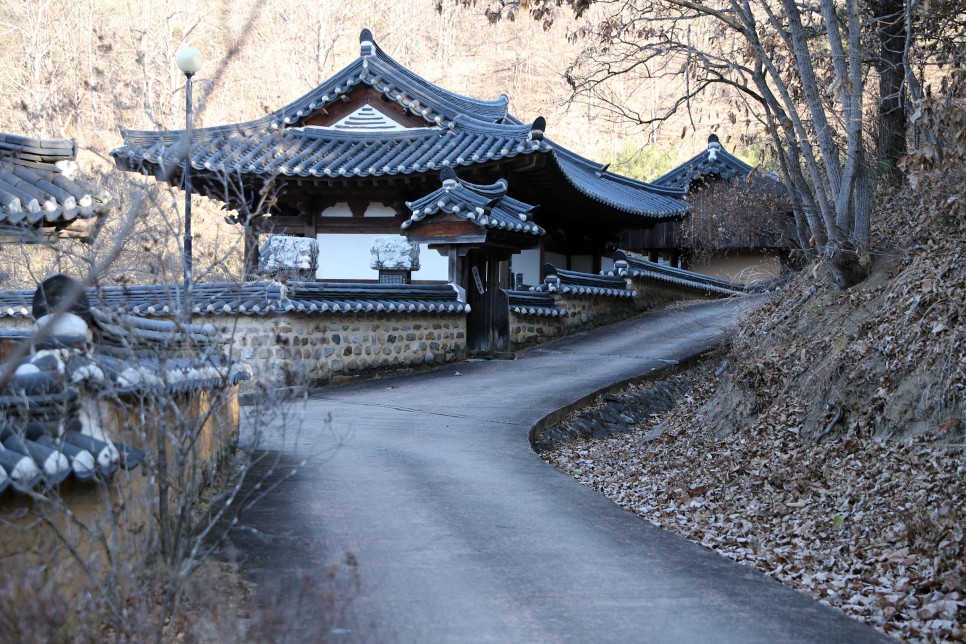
843,262
889,16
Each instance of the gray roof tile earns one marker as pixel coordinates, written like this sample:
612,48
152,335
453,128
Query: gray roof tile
637,266
42,440
261,298
459,131
558,280
39,194
485,206
716,161
535,303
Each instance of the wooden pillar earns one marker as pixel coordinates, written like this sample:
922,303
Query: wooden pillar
498,313
454,266
685,261
653,255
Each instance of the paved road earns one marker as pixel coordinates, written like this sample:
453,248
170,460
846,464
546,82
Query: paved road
462,534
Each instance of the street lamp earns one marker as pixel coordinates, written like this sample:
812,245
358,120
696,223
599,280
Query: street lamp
189,61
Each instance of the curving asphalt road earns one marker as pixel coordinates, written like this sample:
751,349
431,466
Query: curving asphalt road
462,534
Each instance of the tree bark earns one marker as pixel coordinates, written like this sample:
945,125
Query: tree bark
889,16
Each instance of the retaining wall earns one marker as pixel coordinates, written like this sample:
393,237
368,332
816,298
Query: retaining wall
318,349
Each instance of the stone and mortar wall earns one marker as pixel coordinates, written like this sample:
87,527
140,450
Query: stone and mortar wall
652,294
584,312
529,330
581,312
589,311
318,349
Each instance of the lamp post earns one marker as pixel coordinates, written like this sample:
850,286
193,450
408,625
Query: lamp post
189,61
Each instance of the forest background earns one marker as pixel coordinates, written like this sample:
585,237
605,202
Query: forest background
82,70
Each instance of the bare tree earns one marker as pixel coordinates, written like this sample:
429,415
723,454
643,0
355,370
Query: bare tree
801,69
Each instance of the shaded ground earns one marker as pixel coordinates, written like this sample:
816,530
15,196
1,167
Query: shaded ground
459,532
875,529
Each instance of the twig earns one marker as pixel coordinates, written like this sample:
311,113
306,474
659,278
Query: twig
830,426
787,314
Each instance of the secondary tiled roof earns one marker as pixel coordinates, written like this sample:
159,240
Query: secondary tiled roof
536,303
45,433
558,280
262,298
40,194
636,266
714,160
486,206
458,132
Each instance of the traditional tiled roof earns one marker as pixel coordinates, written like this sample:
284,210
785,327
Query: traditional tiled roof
635,266
323,152
536,303
622,193
558,280
45,433
715,160
40,195
263,298
458,132
486,206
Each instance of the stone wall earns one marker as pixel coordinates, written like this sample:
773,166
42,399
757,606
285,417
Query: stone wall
653,294
323,348
581,312
319,349
584,312
529,330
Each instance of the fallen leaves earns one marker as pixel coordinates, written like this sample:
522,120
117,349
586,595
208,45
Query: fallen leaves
876,530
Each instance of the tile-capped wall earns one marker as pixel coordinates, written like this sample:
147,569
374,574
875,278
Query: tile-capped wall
313,349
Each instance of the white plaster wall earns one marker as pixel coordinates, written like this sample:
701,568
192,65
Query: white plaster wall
558,260
379,210
342,210
742,269
527,262
606,263
338,210
344,256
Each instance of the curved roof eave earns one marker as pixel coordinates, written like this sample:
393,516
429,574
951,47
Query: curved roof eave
324,152
695,167
486,206
616,191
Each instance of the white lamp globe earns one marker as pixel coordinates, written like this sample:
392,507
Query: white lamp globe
188,60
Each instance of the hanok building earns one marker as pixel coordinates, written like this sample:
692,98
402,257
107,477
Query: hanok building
345,163
740,227
41,196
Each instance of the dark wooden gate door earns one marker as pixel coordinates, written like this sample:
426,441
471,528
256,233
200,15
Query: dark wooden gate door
488,323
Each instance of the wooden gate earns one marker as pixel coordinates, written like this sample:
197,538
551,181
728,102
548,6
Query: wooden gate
485,276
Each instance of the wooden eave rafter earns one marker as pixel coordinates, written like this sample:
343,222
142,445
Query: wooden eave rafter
453,230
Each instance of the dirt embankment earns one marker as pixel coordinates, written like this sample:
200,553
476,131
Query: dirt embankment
827,447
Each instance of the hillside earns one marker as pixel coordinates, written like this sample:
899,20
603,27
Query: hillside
826,446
